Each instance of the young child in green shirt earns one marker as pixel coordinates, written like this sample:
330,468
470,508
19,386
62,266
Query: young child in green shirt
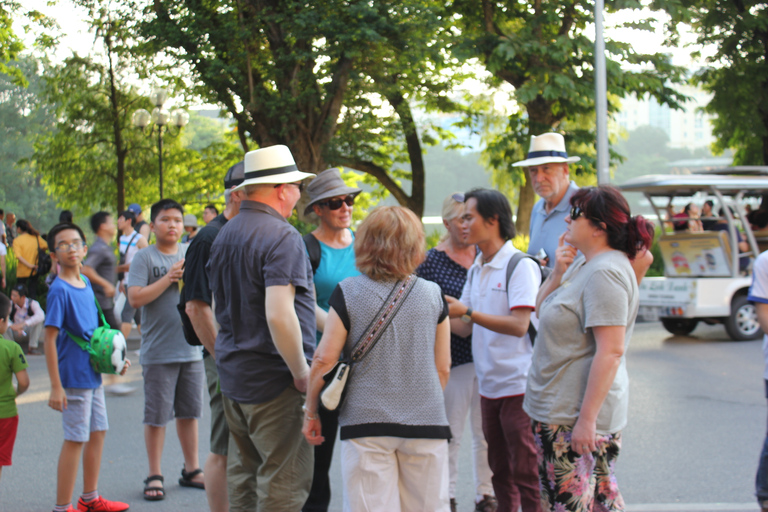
12,362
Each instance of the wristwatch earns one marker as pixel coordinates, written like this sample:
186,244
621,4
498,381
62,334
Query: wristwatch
467,317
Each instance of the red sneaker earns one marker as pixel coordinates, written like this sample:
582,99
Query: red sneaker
101,505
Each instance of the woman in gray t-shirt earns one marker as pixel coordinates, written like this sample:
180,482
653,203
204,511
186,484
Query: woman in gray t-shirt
577,388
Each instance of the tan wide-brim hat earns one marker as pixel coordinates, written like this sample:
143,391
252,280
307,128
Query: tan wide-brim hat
273,164
328,184
546,148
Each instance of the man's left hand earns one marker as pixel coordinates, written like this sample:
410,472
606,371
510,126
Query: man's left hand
455,308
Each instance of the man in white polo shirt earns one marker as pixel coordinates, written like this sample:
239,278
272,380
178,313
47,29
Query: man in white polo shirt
497,313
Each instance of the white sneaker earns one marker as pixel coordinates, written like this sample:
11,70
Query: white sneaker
119,389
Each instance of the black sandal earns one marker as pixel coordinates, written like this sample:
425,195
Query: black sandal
186,479
159,490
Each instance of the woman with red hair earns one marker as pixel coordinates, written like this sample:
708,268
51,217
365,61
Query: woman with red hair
577,393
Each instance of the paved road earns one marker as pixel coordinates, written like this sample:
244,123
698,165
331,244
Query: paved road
697,420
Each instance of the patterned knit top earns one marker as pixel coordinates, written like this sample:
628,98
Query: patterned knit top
395,390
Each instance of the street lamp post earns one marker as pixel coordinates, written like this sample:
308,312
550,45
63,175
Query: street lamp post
160,117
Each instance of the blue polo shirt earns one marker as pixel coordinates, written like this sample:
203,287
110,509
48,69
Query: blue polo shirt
256,249
546,228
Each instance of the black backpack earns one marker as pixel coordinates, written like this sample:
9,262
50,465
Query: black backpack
44,261
511,265
314,251
545,271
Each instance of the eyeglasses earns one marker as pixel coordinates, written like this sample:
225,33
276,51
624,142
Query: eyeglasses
576,212
458,197
335,203
74,246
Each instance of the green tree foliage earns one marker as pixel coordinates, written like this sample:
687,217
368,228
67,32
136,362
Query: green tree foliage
737,73
21,192
95,158
543,49
334,80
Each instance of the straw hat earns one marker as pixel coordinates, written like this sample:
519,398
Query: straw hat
273,164
547,148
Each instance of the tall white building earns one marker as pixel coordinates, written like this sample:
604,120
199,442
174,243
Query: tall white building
688,128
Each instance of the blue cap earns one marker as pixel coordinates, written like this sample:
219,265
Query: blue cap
135,208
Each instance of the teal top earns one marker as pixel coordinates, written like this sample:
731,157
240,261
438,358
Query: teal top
12,361
335,266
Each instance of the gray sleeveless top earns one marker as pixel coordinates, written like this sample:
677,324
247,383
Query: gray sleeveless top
395,390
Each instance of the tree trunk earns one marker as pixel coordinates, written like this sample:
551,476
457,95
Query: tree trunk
525,200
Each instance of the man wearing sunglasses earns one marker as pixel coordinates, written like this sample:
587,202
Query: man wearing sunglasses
547,164
264,301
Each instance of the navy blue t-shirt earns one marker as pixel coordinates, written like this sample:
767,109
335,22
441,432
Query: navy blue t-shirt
74,310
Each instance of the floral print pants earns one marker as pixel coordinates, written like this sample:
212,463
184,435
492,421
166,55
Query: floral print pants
573,482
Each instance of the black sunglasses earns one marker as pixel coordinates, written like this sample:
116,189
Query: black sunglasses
576,212
458,197
335,204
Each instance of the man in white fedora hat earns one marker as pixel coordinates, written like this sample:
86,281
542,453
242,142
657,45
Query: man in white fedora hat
263,293
547,164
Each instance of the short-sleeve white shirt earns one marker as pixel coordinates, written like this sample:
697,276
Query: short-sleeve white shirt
758,292
3,250
501,361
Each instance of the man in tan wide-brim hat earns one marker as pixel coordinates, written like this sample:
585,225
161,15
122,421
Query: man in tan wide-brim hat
547,164
264,300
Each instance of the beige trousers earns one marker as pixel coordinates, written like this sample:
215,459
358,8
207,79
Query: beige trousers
393,474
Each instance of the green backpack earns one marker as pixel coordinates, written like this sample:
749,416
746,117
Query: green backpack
106,347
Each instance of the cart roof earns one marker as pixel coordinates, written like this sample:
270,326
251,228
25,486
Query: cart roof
739,170
689,184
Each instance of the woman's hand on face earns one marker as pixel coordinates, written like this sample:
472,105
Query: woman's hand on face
564,256
311,430
583,437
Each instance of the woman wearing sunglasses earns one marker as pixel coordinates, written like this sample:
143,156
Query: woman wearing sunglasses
332,255
577,392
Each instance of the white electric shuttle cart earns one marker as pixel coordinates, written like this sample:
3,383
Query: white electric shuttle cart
702,280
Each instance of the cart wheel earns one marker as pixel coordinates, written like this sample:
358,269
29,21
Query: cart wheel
742,325
679,326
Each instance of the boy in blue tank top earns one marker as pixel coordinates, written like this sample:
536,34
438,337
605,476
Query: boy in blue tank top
76,389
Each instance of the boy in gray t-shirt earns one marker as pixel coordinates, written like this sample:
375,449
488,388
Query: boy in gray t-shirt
173,370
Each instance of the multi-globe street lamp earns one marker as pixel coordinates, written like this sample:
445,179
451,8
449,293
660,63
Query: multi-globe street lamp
162,119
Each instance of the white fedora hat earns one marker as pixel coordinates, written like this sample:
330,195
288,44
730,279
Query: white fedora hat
273,164
547,148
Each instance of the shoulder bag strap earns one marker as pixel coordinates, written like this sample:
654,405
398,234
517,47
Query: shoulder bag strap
135,234
37,257
383,318
511,265
83,344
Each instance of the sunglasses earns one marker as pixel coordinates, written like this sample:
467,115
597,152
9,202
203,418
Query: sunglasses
458,197
335,204
576,212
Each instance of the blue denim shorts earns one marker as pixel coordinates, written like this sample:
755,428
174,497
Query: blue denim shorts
86,412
